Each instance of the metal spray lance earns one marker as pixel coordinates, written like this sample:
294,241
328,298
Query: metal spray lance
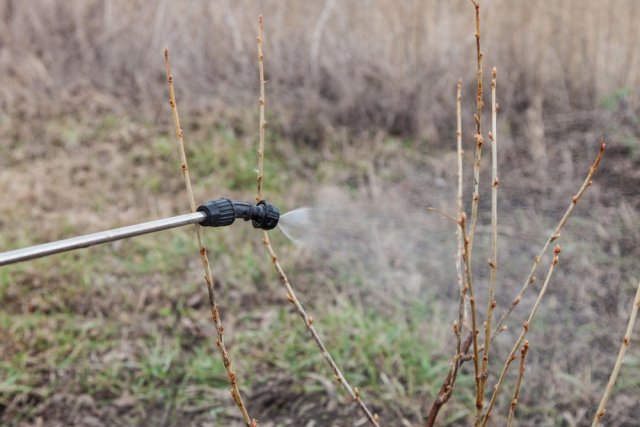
216,213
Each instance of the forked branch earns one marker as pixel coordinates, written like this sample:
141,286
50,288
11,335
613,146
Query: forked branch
208,277
523,334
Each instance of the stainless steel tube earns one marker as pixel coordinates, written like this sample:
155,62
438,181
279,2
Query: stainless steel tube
39,251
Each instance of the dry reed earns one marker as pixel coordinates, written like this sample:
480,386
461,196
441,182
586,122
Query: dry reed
353,392
600,412
208,277
65,47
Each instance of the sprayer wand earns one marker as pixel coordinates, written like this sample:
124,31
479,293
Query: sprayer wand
216,213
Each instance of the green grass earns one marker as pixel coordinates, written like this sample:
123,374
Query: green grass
366,345
133,319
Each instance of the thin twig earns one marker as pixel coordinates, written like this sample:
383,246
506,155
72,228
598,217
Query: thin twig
443,213
493,262
353,392
208,277
461,349
516,393
468,240
472,303
462,314
261,103
478,137
555,235
616,367
523,334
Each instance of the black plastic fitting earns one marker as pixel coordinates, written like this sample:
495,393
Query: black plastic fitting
222,212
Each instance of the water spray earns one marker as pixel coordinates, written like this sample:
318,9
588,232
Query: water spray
215,213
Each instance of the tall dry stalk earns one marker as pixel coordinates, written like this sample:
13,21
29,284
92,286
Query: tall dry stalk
468,240
521,337
478,137
555,235
493,262
461,348
353,392
460,248
472,302
208,277
261,103
516,393
618,364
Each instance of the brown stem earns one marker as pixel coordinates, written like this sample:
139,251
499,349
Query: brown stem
208,277
468,240
616,367
461,348
478,137
472,303
447,386
493,262
261,103
353,392
555,235
523,334
516,393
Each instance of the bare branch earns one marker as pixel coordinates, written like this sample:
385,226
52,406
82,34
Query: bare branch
523,334
291,295
461,348
555,235
516,393
208,277
478,137
616,367
493,262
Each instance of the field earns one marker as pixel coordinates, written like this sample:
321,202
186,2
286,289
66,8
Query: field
361,112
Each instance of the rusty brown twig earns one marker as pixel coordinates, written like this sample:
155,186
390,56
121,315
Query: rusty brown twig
472,303
493,262
478,136
516,393
555,235
353,392
461,348
521,337
618,364
208,277
468,239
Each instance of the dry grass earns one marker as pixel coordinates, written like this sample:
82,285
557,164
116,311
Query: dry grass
556,57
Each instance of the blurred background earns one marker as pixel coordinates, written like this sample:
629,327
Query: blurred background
361,112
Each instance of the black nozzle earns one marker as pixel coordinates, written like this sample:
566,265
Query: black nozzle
219,212
223,212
